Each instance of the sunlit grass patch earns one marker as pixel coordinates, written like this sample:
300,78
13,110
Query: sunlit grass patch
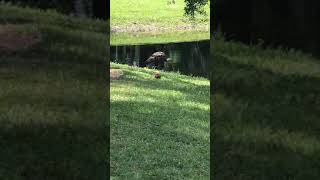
125,12
150,22
161,123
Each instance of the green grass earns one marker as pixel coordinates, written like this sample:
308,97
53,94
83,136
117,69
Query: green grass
157,38
159,127
52,114
18,15
152,20
266,113
126,12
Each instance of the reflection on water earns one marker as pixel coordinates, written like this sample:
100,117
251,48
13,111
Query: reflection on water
190,58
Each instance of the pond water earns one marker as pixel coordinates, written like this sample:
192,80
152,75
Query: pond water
189,58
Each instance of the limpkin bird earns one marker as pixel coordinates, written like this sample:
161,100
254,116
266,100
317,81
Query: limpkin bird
156,60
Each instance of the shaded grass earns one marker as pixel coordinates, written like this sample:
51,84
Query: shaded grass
52,110
159,127
17,15
64,38
52,122
265,113
280,60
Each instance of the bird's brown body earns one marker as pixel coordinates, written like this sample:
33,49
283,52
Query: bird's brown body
156,60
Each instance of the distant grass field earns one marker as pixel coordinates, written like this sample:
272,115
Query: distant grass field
150,19
156,38
265,113
159,127
52,114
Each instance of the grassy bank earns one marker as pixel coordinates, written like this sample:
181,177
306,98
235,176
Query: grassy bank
52,116
266,113
157,38
146,19
159,127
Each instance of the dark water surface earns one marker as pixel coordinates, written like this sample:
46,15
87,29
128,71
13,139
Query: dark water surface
189,58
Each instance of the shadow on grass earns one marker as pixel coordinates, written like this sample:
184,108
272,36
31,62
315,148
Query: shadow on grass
169,83
53,121
162,131
246,81
249,159
53,98
270,96
63,151
244,99
152,140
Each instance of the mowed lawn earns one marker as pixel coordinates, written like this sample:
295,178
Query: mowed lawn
148,21
52,121
53,115
159,127
266,113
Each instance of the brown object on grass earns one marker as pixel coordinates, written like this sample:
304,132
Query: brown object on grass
156,60
13,38
115,74
157,75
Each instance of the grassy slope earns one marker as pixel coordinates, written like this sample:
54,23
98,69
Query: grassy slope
266,115
159,127
154,18
51,111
